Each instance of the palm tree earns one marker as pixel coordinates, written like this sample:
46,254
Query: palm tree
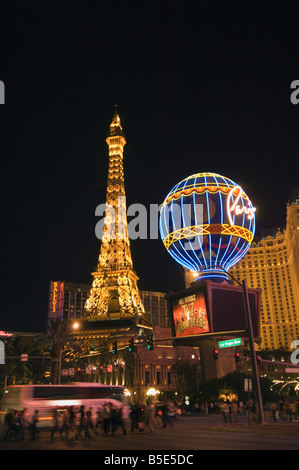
54,340
60,344
18,371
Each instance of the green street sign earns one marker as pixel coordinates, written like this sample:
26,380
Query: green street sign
230,343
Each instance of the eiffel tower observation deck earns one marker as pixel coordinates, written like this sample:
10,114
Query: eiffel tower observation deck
114,293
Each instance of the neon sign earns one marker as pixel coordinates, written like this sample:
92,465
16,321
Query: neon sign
55,291
3,334
207,224
234,206
54,300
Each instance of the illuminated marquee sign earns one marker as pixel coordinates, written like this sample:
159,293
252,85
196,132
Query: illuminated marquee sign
56,298
57,287
4,334
190,315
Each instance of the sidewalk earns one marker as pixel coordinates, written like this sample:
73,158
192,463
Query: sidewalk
268,426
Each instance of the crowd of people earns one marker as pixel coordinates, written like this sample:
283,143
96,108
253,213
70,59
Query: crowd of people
16,422
280,411
285,410
82,423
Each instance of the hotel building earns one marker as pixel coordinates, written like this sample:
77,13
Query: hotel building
272,263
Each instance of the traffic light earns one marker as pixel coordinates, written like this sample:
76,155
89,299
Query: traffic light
258,359
114,347
131,345
150,342
237,357
215,354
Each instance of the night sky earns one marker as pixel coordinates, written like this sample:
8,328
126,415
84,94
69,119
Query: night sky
200,86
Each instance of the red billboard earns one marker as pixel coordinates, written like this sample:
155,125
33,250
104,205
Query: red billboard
190,316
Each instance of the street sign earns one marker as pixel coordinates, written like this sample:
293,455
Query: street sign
247,385
230,343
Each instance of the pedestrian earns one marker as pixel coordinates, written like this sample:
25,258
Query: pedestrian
10,424
134,418
281,409
82,423
140,417
293,411
196,407
65,423
21,424
165,416
56,421
71,423
121,419
106,418
251,411
150,416
113,419
234,412
125,416
89,423
158,415
273,409
289,410
98,419
33,425
224,410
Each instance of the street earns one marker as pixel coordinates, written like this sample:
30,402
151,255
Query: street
188,433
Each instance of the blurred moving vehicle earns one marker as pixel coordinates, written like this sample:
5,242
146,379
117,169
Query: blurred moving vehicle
46,398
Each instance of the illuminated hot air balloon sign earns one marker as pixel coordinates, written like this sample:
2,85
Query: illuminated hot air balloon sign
207,223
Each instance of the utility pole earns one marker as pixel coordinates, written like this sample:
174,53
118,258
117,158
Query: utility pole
255,373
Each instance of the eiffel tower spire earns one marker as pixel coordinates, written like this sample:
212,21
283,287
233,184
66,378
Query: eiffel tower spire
114,292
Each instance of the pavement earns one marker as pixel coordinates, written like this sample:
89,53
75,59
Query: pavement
201,432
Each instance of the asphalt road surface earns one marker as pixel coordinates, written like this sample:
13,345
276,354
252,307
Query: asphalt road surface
189,434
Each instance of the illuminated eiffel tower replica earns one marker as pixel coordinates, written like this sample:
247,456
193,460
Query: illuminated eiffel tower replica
114,292
114,312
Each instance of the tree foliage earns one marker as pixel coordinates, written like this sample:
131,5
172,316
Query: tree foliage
188,381
233,383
